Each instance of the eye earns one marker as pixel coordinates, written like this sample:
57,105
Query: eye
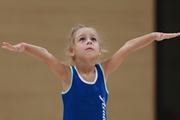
93,39
82,39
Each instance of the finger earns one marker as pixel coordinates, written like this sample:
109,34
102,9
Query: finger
8,46
177,34
171,35
163,36
5,45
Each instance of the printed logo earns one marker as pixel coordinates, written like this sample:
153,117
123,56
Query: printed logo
103,107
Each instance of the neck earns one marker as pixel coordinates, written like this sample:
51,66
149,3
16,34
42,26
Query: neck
85,67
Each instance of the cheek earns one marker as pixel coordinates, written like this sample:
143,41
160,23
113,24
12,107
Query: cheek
77,50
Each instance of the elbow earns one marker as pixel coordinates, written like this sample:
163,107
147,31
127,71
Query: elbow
127,48
48,57
44,55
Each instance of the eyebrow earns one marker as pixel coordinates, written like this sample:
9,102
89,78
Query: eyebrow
80,36
83,35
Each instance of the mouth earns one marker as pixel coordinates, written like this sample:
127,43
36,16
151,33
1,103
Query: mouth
89,48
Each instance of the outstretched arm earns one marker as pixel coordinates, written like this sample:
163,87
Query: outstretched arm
60,69
115,60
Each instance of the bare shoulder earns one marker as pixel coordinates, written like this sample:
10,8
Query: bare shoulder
113,62
105,68
59,68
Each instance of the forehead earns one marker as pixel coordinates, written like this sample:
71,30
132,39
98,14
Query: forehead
85,31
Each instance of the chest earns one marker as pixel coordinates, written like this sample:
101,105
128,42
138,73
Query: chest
88,86
88,77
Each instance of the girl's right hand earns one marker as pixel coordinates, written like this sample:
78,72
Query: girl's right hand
18,47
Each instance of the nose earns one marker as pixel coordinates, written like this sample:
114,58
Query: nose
89,42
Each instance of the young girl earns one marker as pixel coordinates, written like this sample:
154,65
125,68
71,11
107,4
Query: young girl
84,84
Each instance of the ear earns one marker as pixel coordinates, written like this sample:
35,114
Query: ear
99,52
71,52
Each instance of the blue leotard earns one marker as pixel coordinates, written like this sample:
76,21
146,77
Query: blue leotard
86,100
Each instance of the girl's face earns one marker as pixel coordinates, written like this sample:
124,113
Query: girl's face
86,44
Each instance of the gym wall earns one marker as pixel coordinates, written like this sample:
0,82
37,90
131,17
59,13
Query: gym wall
30,91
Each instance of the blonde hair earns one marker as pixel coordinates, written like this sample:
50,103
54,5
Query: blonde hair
70,43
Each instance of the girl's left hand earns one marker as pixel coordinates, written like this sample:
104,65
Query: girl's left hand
162,36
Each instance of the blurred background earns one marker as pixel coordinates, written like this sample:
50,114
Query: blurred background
144,87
